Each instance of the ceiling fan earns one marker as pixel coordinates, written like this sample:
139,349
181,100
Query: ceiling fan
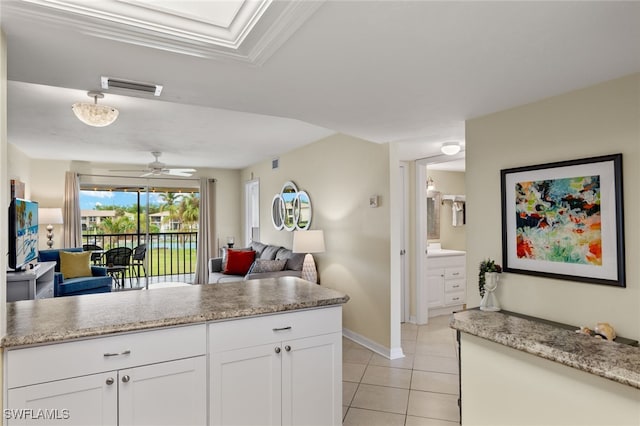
157,168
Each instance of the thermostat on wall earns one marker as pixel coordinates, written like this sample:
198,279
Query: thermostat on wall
373,201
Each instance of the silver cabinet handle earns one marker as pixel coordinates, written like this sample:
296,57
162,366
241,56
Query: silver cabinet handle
287,348
110,354
110,381
125,378
277,349
282,328
455,273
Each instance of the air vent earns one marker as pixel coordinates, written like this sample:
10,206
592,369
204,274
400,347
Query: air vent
115,83
275,163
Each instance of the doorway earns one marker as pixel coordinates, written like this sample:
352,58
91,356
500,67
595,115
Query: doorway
425,218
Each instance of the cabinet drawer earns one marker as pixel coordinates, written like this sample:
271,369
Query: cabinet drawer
453,273
241,333
454,298
63,360
451,286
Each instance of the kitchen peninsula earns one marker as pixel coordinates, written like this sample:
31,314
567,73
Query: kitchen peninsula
519,370
253,352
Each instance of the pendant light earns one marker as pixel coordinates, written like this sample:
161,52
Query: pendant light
93,114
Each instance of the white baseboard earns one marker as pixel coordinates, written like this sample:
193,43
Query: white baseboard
413,319
389,353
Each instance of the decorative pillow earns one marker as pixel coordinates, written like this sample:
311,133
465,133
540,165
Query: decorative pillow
75,264
264,265
239,262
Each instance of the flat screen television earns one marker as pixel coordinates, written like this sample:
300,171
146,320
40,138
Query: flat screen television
23,233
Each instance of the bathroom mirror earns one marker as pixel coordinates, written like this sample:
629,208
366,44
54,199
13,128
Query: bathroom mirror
302,210
433,214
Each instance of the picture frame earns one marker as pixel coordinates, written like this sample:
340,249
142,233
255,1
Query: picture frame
564,220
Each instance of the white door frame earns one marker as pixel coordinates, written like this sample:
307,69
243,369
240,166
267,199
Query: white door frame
422,296
404,256
250,208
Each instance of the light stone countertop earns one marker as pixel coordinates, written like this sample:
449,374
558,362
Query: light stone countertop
611,360
31,322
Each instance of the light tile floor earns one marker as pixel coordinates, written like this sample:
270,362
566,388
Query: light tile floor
420,389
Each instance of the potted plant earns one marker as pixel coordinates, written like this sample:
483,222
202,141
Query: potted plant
486,266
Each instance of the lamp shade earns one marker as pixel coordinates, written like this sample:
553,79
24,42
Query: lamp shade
308,241
50,216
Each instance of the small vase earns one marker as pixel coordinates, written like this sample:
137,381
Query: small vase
489,301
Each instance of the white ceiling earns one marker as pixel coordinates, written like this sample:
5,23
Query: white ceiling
404,71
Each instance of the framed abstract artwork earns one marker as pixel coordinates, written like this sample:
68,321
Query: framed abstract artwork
564,220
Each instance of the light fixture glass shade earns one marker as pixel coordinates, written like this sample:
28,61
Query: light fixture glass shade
95,115
450,148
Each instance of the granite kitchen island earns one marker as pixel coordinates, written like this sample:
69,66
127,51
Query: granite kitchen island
515,370
252,352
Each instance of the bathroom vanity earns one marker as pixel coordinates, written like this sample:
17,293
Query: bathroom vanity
446,281
265,352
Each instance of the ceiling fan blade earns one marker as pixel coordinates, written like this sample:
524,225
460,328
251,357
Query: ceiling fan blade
129,170
151,173
179,172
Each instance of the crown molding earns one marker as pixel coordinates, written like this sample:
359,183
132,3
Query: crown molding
257,31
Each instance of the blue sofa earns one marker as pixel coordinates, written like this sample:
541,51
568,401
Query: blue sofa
100,282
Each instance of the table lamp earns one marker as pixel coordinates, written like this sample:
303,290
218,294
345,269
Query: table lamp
50,217
308,242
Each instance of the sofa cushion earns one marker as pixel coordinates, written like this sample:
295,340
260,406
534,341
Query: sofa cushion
239,261
74,265
264,265
269,252
84,285
295,262
258,247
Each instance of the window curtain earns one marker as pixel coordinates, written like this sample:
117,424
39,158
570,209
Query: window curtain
206,230
71,215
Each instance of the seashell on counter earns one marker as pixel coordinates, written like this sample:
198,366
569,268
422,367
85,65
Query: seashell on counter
605,330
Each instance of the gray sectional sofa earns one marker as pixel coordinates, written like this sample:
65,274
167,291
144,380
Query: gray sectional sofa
292,264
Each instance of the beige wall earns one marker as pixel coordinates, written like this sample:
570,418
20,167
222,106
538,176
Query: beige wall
599,120
340,173
449,183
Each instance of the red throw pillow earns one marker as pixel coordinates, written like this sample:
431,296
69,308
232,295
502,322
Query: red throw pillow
239,261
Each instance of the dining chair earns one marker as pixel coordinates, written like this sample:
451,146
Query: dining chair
96,252
117,261
137,261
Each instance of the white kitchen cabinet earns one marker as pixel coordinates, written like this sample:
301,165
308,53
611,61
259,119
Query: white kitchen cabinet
446,283
117,380
285,367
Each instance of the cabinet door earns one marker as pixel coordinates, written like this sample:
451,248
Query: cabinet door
245,386
435,287
167,393
82,401
312,381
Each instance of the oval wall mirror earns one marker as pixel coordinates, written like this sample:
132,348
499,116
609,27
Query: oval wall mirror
276,212
302,210
288,196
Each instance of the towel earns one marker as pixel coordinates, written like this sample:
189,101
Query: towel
458,213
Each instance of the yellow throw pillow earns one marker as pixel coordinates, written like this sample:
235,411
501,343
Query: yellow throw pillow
75,264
